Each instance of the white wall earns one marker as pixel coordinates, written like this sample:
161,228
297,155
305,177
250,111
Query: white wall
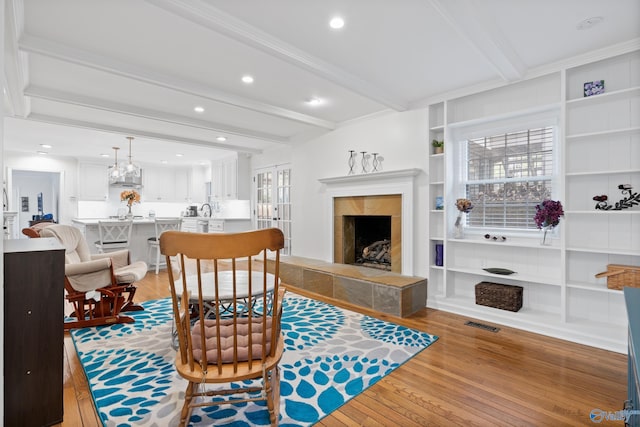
401,138
272,158
68,169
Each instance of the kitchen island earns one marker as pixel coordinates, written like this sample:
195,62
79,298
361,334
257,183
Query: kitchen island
144,228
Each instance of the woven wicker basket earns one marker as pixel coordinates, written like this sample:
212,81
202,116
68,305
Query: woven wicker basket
504,297
618,276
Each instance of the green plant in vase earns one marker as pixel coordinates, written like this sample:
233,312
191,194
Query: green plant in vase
438,146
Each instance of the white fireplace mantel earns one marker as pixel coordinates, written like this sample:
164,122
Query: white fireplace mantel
376,184
372,177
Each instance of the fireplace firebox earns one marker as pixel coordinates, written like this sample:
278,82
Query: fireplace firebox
367,240
371,225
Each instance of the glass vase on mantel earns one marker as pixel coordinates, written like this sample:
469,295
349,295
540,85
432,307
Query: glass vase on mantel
458,227
129,213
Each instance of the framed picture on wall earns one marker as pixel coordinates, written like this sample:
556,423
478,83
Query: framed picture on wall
594,88
25,204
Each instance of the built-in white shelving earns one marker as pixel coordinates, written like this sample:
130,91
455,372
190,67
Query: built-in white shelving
599,149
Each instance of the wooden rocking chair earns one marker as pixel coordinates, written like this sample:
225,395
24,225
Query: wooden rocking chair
227,320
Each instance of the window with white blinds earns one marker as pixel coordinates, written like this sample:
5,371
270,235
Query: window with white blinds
507,175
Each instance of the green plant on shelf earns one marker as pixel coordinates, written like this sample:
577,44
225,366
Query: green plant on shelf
438,146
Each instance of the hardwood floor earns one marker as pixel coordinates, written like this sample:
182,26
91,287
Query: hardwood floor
469,377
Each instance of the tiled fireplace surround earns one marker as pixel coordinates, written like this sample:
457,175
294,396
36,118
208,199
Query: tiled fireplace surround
383,193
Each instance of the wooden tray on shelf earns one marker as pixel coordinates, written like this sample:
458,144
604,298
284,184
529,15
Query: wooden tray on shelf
619,275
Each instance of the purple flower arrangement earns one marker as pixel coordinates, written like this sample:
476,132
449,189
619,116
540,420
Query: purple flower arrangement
548,213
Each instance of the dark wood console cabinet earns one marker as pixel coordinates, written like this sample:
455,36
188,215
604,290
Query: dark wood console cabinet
33,332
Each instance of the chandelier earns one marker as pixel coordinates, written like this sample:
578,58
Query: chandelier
114,169
129,169
124,172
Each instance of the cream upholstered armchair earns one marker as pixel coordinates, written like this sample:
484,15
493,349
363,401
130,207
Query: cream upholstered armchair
96,284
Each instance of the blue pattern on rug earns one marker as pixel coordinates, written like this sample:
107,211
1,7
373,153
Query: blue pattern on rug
331,355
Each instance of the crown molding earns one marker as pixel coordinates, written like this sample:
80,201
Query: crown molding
40,46
216,20
555,67
586,58
130,110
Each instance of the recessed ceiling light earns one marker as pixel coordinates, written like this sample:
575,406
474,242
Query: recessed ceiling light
198,109
314,101
221,138
247,79
42,153
336,22
45,146
164,162
104,155
589,22
179,155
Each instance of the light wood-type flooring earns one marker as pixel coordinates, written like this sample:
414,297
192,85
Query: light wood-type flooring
469,377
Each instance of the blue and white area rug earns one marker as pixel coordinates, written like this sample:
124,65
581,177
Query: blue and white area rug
331,355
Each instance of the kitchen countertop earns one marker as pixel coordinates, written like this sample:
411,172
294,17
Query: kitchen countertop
146,220
94,221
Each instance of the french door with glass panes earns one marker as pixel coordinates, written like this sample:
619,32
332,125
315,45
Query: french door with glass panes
273,201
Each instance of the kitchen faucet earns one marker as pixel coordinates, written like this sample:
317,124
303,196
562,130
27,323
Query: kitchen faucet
208,212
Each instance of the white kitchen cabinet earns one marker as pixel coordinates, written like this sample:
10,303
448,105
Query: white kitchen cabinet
224,179
182,180
197,186
159,184
93,182
215,226
166,184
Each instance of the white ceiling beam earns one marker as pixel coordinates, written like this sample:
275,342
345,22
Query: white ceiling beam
130,110
473,23
202,13
16,66
40,46
138,132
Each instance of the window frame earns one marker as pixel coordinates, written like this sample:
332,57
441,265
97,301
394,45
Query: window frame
519,122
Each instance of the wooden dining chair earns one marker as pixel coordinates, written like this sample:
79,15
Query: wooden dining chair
239,338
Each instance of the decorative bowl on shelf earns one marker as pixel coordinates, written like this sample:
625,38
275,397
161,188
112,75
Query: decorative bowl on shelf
502,271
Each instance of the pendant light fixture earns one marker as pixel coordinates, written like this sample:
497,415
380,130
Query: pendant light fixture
114,169
129,170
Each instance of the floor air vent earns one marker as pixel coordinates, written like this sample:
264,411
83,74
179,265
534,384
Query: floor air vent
482,326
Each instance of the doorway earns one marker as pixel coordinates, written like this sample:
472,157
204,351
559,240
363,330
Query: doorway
272,195
34,193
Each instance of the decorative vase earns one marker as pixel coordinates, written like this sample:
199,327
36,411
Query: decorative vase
545,240
365,162
129,213
458,227
352,161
